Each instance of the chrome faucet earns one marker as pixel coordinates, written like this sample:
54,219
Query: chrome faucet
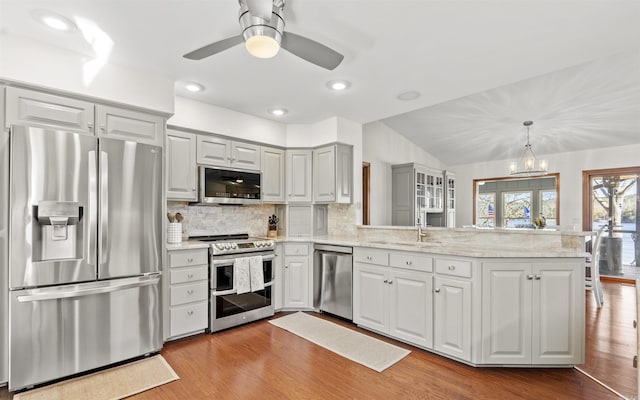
420,233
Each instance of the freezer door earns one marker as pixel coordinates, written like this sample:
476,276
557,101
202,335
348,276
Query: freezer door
130,218
53,198
60,331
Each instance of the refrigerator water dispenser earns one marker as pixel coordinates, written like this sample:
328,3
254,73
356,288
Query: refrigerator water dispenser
57,235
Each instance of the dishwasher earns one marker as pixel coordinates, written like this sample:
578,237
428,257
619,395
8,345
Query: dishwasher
333,280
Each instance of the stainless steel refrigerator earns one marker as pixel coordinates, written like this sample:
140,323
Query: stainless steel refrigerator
85,250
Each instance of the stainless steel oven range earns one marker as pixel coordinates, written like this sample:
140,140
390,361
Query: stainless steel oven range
232,302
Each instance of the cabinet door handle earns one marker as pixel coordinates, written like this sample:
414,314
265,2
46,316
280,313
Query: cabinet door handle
437,290
193,190
190,276
190,291
537,277
635,361
189,259
369,258
286,266
385,281
390,282
409,263
635,323
90,126
530,277
189,313
452,267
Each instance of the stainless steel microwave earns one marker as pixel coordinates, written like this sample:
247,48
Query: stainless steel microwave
229,186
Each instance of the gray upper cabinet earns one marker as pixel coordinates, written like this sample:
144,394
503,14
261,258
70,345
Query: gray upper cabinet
181,166
119,123
273,175
28,107
333,174
299,176
216,151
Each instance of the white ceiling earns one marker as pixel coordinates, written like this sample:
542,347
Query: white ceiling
482,67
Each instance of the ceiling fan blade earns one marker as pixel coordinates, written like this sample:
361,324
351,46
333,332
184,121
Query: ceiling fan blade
260,8
214,48
311,50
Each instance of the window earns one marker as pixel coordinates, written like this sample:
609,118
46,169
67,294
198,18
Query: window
540,194
486,207
516,209
548,206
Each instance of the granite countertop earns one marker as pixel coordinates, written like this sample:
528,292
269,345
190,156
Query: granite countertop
432,247
464,250
187,245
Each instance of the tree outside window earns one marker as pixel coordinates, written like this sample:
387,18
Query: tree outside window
485,214
516,209
548,206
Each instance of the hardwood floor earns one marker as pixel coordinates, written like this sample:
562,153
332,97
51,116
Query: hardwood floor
261,361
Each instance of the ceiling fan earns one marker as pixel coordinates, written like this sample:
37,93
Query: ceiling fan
262,25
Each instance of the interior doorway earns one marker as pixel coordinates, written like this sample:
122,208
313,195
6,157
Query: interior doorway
610,199
366,177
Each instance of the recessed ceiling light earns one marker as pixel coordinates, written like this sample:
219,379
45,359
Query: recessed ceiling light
194,87
53,20
410,95
338,85
278,112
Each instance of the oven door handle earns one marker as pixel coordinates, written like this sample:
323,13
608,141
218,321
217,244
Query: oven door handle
229,261
233,291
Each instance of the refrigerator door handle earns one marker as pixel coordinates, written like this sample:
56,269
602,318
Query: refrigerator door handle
104,209
89,289
92,209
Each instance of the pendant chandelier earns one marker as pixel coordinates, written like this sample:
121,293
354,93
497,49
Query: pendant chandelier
528,164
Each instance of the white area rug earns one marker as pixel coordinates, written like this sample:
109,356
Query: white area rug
111,384
363,349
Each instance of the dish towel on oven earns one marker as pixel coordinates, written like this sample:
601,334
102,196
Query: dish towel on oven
257,276
242,275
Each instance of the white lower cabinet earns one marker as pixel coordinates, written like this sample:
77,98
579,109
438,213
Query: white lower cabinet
531,313
452,317
188,292
297,275
391,300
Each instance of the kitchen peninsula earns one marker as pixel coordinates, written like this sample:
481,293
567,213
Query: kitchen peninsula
483,297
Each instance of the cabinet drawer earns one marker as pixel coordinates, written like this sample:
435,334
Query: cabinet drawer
183,258
188,318
371,256
189,293
453,267
296,249
417,262
182,275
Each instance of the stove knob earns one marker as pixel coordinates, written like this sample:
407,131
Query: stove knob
234,246
258,244
219,246
269,243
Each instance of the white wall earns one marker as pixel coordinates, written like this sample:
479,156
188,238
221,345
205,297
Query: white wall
311,135
209,118
383,147
27,61
569,165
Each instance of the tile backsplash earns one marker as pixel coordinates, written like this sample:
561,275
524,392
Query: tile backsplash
202,220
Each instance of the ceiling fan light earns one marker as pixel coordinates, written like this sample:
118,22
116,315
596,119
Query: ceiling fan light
262,46
262,41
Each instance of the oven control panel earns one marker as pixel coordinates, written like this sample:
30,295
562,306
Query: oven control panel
242,247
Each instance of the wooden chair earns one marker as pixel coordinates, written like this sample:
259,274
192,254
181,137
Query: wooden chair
593,282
